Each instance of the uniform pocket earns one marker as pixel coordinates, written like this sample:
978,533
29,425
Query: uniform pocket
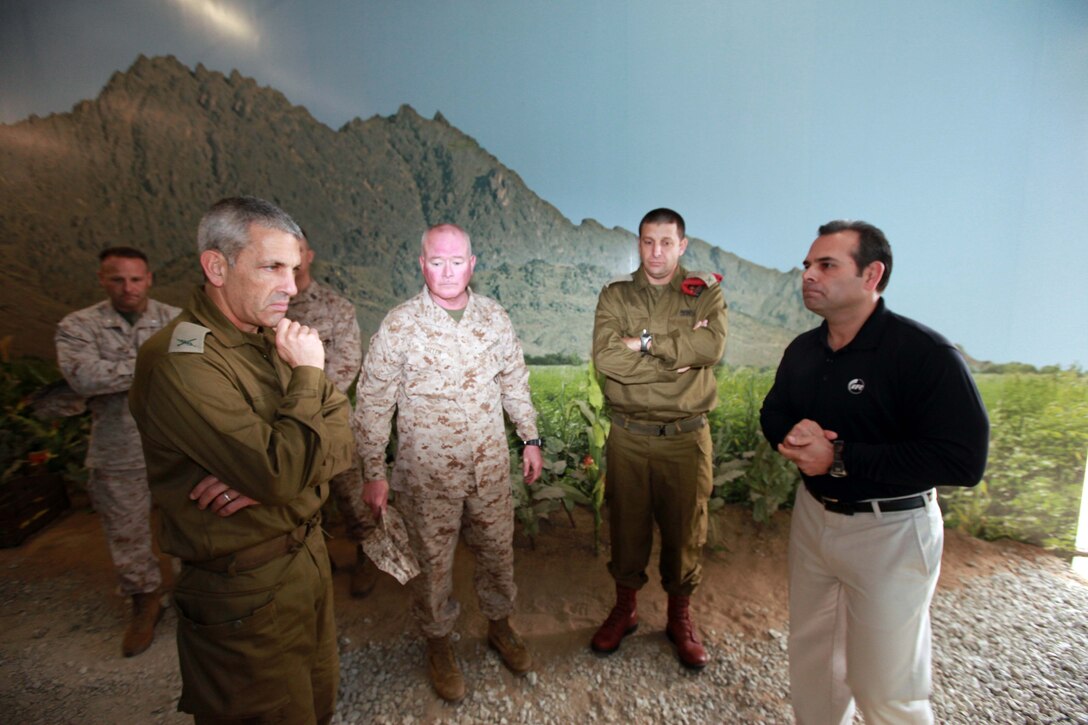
231,668
426,374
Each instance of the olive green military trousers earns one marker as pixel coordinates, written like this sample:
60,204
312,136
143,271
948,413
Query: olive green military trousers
259,647
663,479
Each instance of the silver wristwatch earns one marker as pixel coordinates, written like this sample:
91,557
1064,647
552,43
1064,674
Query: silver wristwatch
838,468
644,341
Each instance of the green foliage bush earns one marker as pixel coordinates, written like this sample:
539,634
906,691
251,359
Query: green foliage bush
28,444
1031,490
574,425
1035,472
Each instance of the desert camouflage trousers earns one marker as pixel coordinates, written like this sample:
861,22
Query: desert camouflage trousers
123,502
347,490
434,524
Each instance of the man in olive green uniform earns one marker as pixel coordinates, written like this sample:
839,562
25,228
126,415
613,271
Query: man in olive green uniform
333,317
241,431
96,352
656,336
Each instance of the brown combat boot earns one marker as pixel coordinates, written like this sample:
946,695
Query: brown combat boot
681,632
364,576
146,612
622,621
502,638
442,667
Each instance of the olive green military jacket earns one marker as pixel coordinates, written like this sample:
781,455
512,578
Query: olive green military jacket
647,387
211,399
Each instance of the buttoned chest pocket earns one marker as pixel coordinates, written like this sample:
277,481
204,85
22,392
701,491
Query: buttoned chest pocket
636,323
429,371
491,361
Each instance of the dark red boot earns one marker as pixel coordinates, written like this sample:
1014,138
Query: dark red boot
622,621
681,632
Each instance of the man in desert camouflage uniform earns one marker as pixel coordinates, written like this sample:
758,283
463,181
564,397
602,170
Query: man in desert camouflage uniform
448,361
657,334
96,351
321,309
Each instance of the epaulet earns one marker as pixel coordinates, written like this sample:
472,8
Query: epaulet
696,282
188,337
621,278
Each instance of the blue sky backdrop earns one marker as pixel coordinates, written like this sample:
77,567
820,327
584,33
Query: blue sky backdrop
958,126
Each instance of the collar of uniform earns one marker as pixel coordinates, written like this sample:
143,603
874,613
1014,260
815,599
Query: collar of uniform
868,336
205,311
643,281
440,313
112,317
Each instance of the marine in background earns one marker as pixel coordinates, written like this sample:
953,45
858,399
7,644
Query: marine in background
96,352
333,317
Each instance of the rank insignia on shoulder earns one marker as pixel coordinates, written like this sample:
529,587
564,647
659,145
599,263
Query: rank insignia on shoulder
621,278
188,337
698,281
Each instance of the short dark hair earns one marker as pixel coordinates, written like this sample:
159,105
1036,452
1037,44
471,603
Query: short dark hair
872,246
225,228
126,252
663,216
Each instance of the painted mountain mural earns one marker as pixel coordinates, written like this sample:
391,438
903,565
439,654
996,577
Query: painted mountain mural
140,164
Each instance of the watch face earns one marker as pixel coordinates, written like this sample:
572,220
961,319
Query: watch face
838,468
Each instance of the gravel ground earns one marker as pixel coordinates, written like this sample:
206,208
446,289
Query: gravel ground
1011,646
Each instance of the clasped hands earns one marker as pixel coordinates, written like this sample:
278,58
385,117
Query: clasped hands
809,446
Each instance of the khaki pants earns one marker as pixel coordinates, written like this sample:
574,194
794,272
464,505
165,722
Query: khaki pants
259,647
667,479
434,524
860,588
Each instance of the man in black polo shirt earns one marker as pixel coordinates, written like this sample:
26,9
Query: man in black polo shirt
875,410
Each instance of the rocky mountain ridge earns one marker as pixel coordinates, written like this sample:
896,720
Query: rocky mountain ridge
140,163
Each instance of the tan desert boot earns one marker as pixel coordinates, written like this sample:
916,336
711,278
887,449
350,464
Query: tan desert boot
442,667
502,638
146,612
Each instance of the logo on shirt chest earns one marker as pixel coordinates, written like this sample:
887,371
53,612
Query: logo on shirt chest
856,386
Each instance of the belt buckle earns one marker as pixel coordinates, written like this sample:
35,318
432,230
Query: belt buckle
662,429
836,507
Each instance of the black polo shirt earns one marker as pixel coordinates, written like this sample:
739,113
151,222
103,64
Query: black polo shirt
900,397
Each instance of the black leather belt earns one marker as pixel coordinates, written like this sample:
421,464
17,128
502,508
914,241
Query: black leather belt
650,428
849,508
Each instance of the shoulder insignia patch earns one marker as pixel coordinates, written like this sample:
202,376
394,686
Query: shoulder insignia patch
188,337
621,278
698,281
